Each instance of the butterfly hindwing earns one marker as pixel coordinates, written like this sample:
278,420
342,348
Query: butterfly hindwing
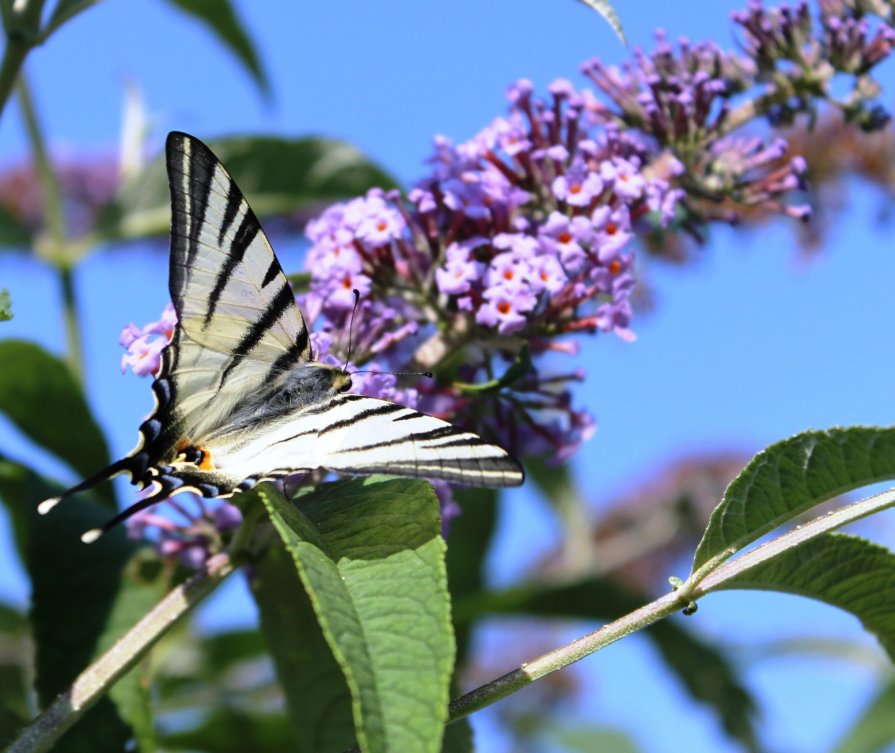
355,434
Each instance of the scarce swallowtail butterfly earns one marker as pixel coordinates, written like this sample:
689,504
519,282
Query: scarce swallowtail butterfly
239,398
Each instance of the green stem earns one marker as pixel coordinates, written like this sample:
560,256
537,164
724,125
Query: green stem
562,657
75,348
49,185
54,245
94,681
22,24
698,585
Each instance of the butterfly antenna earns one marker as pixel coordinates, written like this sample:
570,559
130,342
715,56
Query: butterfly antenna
427,374
351,328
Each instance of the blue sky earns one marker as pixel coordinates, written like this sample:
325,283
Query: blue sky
747,345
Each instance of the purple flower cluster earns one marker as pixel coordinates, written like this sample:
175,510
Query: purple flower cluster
518,230
194,537
678,97
86,189
787,33
523,231
799,56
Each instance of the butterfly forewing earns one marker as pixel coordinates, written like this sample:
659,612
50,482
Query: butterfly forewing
236,310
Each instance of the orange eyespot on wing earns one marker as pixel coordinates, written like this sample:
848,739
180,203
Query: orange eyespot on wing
205,463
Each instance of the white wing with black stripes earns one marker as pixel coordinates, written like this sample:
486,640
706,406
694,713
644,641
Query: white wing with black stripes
240,329
362,435
238,398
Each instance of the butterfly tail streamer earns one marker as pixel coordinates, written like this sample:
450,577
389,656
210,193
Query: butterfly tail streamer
160,493
125,465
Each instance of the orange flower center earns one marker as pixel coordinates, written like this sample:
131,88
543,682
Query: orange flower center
504,308
565,237
615,267
612,228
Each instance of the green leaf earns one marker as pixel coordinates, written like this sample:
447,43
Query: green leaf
468,542
790,477
594,739
874,731
845,571
279,176
5,306
20,488
74,590
458,737
370,555
142,587
220,17
13,234
701,667
41,397
15,669
222,651
64,11
234,730
605,9
317,696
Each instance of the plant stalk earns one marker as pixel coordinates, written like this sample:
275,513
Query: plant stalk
94,681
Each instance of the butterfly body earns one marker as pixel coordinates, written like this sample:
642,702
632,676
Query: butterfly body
238,397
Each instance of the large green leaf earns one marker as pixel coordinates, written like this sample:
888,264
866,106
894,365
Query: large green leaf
468,542
220,17
74,592
874,730
234,730
144,584
20,488
278,175
14,672
701,667
458,737
41,397
370,555
317,696
846,571
790,477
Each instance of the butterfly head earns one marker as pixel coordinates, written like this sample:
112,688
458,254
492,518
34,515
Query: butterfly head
341,381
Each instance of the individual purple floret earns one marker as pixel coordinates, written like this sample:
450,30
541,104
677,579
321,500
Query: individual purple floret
144,346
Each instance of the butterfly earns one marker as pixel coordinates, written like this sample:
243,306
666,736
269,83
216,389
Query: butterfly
238,397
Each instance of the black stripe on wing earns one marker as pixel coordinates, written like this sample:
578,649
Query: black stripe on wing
234,201
382,409
245,234
191,167
274,310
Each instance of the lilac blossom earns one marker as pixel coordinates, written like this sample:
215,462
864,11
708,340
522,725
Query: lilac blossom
191,532
144,346
526,232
